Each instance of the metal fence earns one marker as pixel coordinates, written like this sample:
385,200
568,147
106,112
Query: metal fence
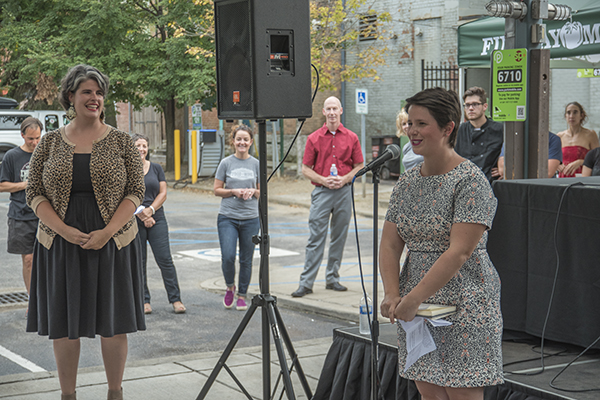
444,75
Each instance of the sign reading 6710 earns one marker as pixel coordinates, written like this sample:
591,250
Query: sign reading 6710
509,85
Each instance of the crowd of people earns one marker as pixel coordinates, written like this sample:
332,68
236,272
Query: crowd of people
85,201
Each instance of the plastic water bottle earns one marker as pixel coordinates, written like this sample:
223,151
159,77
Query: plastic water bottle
333,170
366,313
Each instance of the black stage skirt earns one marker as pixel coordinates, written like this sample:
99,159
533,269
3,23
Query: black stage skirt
83,293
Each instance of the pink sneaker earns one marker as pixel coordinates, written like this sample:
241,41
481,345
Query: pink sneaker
241,304
229,295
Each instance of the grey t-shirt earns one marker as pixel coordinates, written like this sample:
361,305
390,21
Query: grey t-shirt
239,174
15,168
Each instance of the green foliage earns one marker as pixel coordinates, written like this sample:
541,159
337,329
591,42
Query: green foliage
138,44
336,28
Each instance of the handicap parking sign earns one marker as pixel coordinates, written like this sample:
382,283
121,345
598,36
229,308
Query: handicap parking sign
362,101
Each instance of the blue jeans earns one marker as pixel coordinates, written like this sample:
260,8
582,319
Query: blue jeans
230,230
158,237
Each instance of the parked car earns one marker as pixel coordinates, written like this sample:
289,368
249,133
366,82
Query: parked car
10,125
8,104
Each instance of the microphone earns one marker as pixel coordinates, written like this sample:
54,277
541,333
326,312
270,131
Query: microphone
391,153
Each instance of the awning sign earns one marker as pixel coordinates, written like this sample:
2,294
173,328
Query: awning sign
588,73
509,85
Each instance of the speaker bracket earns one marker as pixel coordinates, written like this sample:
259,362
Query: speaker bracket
280,52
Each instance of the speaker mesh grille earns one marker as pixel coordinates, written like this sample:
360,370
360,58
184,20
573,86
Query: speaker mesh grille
234,57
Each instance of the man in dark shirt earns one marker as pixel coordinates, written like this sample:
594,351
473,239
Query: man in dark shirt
14,170
479,139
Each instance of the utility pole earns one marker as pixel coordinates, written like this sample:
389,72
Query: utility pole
526,143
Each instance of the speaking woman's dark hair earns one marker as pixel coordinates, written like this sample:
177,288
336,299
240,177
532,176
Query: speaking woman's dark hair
443,105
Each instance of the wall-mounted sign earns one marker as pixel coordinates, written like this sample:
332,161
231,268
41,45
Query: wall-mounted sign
509,85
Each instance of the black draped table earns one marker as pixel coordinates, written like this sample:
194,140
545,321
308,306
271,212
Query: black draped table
521,246
346,373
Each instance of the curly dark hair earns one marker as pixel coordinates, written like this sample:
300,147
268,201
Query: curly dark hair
76,75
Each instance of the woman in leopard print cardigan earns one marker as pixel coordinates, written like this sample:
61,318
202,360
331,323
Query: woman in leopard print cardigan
85,184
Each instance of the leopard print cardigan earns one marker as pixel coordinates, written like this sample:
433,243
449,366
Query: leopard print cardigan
116,173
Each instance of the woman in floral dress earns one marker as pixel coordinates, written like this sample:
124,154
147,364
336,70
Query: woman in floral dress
441,210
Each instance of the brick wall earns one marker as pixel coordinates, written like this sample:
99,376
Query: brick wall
436,41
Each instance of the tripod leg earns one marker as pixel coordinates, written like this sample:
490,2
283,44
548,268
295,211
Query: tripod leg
266,354
228,350
290,348
273,321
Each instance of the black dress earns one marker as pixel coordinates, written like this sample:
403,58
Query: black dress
82,293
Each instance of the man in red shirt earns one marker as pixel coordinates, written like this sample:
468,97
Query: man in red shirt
328,146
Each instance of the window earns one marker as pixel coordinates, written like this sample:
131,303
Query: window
12,122
367,26
51,122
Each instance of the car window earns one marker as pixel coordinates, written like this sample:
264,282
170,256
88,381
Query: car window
51,122
12,122
65,120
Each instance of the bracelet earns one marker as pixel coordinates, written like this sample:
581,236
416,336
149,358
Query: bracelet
153,210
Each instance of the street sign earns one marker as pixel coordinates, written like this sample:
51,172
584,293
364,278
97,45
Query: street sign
197,116
509,85
362,101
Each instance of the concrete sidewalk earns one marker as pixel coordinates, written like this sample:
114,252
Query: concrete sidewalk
183,377
342,305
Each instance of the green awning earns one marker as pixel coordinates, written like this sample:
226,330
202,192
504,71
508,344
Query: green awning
572,44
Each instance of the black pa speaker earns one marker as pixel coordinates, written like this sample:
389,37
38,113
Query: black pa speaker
263,59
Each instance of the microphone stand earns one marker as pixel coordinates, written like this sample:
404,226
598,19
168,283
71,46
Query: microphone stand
375,321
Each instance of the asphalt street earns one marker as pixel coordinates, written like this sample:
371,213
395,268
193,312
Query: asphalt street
206,326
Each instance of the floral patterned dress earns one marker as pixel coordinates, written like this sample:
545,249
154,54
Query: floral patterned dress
469,352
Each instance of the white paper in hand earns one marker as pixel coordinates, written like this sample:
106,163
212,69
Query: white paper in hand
418,340
139,210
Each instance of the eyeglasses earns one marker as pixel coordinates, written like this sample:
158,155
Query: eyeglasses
474,105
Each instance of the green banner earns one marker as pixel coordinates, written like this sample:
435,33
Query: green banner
588,73
572,44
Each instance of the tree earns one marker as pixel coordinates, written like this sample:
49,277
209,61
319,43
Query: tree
337,26
157,52
143,45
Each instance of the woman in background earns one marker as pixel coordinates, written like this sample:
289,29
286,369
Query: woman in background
85,183
153,228
576,141
236,181
409,158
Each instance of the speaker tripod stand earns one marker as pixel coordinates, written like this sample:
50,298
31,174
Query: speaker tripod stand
272,323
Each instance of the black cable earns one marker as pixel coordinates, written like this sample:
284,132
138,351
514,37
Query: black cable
568,365
288,152
553,287
299,128
597,339
362,278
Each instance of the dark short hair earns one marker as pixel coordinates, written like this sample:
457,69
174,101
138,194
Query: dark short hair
137,136
31,122
236,128
76,75
584,115
442,104
476,91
